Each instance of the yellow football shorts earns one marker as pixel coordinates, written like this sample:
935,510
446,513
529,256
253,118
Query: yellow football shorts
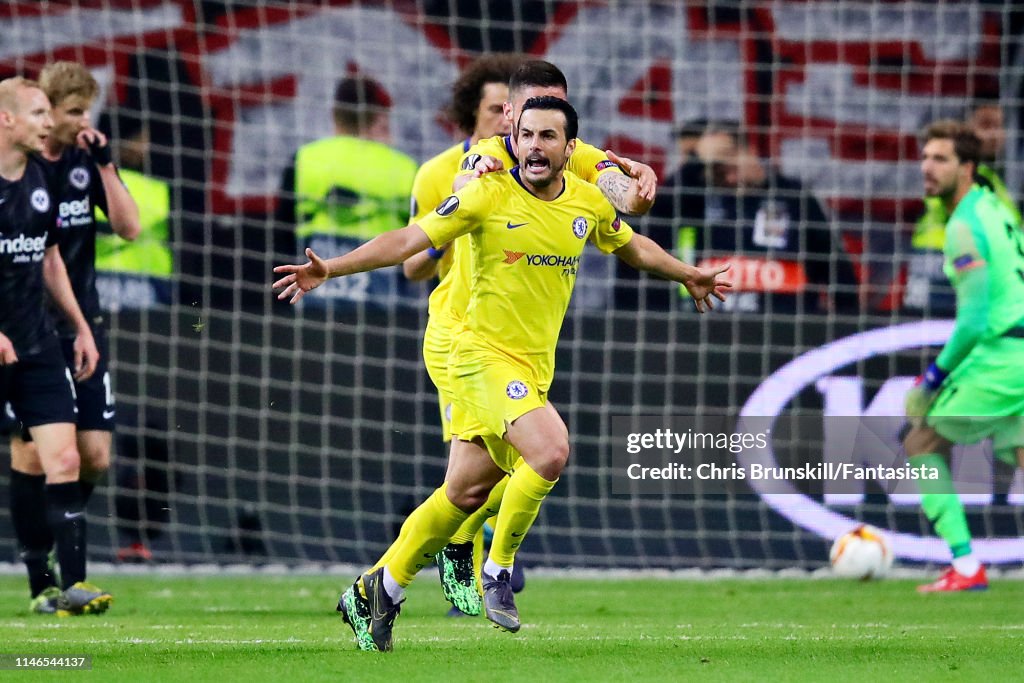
437,345
490,390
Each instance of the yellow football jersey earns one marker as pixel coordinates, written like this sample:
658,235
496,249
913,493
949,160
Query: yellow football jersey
432,184
587,162
524,255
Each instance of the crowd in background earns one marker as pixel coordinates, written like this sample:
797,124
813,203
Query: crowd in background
725,200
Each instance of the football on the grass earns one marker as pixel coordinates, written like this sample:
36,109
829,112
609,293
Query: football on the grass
862,553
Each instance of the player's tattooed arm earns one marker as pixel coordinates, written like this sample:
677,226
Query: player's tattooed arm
633,194
615,188
624,194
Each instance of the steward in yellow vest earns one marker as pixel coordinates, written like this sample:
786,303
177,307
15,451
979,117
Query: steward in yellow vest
352,187
137,275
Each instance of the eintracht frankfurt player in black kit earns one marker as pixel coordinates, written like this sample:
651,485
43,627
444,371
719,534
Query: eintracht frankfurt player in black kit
33,375
84,177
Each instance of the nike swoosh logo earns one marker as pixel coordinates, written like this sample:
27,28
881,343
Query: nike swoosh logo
73,515
512,226
375,614
107,414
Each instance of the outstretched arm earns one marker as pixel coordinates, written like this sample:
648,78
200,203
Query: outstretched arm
631,194
424,265
388,249
644,254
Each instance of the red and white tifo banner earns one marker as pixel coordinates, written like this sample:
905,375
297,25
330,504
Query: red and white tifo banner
104,36
834,91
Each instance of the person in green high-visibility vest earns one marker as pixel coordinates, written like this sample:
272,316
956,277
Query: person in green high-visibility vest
137,275
927,289
350,187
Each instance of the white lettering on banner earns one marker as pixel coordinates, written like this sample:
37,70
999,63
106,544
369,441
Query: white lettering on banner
770,399
753,274
772,276
742,302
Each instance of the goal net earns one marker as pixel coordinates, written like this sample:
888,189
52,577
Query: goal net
251,431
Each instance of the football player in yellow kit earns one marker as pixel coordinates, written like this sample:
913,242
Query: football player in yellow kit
527,230
478,96
630,195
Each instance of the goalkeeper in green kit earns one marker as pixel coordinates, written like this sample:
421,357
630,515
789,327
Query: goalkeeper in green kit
975,388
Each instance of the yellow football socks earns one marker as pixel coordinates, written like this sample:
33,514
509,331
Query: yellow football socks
525,492
467,532
423,534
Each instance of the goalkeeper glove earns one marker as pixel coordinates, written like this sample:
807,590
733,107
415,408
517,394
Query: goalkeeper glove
919,398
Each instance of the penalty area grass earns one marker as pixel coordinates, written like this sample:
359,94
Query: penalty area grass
257,628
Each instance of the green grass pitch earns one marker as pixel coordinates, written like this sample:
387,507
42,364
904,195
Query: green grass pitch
284,628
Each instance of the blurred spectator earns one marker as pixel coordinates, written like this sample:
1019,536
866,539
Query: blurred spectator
477,108
136,275
928,290
725,203
343,190
687,136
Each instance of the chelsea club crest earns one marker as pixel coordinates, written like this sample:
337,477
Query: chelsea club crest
516,390
579,227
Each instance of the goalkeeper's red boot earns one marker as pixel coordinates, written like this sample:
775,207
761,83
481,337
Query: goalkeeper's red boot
952,581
